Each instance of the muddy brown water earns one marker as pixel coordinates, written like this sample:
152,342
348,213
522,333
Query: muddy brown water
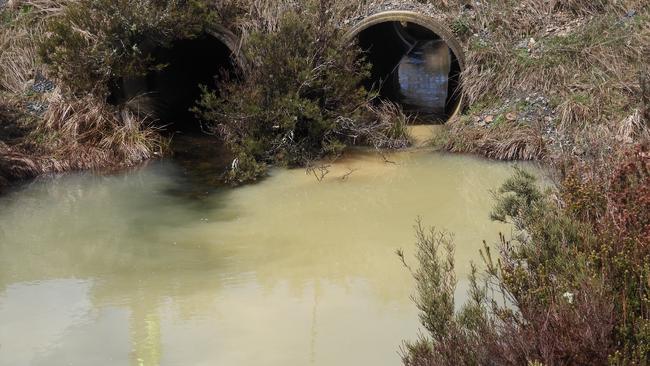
129,270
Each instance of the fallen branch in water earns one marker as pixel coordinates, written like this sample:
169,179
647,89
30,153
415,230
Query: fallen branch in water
347,175
319,171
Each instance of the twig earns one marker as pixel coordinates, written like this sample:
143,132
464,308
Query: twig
319,172
347,175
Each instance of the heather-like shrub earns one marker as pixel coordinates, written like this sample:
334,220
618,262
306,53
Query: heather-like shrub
569,288
302,83
301,98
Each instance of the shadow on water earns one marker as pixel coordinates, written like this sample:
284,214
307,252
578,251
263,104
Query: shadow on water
201,160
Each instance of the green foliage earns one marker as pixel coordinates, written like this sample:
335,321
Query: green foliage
461,26
518,198
94,41
435,280
448,331
6,17
569,288
297,98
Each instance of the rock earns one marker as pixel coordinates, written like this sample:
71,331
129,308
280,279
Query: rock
42,84
37,108
630,14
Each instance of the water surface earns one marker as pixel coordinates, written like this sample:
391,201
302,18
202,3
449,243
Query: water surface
137,269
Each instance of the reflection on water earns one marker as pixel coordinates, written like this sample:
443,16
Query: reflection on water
123,270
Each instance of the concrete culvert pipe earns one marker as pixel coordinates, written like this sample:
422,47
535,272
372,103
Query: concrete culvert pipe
416,62
167,95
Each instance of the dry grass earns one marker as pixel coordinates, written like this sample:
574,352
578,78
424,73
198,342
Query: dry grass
105,136
18,61
390,129
508,141
80,135
584,56
248,16
71,133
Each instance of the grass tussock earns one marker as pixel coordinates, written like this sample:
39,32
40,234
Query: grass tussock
58,59
507,141
82,135
389,127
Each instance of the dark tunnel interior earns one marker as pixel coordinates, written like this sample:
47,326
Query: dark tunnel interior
169,94
414,67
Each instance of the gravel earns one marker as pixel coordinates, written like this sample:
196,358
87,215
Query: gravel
375,7
41,84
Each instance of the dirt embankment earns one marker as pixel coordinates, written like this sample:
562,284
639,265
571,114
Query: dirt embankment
544,80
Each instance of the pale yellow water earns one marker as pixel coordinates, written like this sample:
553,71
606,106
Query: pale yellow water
134,270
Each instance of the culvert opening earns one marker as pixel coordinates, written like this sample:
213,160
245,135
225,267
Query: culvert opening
413,66
169,94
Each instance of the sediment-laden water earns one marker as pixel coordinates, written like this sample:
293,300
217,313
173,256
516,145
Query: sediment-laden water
137,269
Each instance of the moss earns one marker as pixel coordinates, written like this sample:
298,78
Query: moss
499,120
581,98
524,58
461,26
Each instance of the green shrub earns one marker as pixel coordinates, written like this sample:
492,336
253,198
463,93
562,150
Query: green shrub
300,100
461,26
567,288
94,41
